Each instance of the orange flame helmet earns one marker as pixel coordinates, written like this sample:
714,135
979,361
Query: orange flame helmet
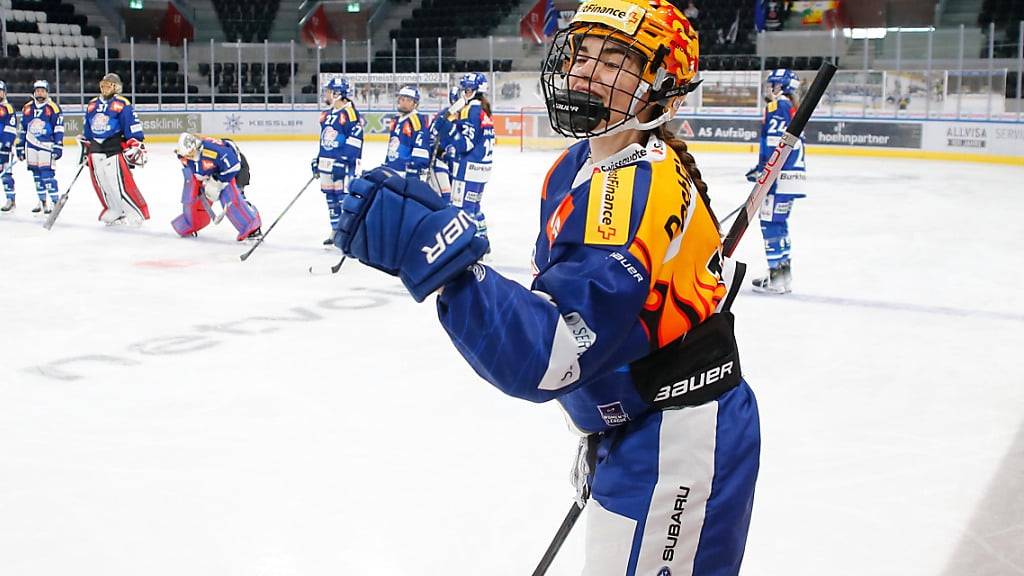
655,30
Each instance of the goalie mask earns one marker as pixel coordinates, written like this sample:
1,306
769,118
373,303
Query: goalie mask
616,60
188,145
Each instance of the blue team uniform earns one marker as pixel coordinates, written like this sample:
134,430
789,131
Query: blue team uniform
409,144
8,134
42,143
109,123
215,168
628,262
471,145
790,185
341,148
111,119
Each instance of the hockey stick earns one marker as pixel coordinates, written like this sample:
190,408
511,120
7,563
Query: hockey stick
283,212
559,539
62,200
317,271
731,214
208,206
770,174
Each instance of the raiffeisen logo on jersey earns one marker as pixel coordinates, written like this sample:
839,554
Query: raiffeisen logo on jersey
615,14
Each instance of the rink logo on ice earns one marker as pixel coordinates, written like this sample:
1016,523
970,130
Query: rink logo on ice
451,232
613,414
202,337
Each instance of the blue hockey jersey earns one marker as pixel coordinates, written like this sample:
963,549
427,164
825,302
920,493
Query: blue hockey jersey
627,261
216,159
341,135
473,144
777,116
42,126
111,118
409,144
8,131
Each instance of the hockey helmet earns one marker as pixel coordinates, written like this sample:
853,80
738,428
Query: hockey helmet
3,87
113,79
410,92
652,35
188,145
341,87
473,81
785,79
41,84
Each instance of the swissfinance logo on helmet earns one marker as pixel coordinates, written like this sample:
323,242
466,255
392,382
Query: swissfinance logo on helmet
664,36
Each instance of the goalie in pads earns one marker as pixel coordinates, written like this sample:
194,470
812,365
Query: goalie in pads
112,146
214,169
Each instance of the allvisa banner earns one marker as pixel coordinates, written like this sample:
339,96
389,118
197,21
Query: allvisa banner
175,28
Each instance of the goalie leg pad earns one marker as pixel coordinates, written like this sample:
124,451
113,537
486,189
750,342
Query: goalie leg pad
243,215
116,188
194,216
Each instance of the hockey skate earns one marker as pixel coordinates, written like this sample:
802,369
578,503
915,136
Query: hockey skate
49,207
8,206
40,206
778,281
253,236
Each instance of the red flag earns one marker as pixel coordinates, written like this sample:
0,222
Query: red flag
531,26
317,30
175,27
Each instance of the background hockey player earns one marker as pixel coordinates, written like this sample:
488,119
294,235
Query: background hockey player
627,322
41,142
441,177
8,134
410,143
779,111
341,147
112,140
471,137
214,170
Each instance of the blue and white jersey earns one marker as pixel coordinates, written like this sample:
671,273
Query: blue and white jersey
409,144
341,137
113,118
42,125
618,274
777,116
217,159
473,144
8,130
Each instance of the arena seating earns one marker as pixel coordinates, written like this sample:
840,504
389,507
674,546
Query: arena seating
246,20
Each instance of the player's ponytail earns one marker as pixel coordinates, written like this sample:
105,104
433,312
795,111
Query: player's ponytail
484,102
689,164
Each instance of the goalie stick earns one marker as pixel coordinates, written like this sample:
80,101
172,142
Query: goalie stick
729,242
259,242
62,200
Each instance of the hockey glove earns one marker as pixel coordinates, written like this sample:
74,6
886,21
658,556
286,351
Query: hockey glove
21,151
402,227
754,173
314,164
134,153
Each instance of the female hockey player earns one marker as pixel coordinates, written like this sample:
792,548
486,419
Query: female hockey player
42,142
8,133
341,147
627,323
779,110
112,140
471,137
409,144
214,169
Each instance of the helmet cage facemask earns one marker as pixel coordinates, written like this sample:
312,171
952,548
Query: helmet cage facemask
581,114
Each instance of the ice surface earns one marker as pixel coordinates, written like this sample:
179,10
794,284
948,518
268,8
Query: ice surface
166,409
